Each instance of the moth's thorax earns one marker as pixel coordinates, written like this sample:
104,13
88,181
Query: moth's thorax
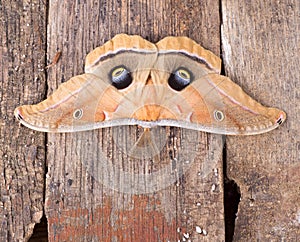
153,112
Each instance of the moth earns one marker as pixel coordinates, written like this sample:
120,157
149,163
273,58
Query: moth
131,81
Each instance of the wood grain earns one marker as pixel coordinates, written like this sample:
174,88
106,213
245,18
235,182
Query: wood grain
84,198
261,49
22,151
260,44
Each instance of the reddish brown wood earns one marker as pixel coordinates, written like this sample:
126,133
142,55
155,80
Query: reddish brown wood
83,206
260,51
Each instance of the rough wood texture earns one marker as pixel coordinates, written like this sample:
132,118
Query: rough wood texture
261,53
22,151
84,200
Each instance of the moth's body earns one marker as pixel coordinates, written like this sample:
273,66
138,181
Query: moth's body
130,81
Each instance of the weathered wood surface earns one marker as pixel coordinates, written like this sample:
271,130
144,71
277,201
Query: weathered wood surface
81,202
22,151
261,52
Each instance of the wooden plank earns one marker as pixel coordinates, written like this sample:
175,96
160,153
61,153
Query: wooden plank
86,197
22,151
261,52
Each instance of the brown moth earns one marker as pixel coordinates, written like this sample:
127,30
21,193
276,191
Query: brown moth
131,81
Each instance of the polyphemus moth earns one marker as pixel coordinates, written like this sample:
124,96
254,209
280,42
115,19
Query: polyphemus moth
131,81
